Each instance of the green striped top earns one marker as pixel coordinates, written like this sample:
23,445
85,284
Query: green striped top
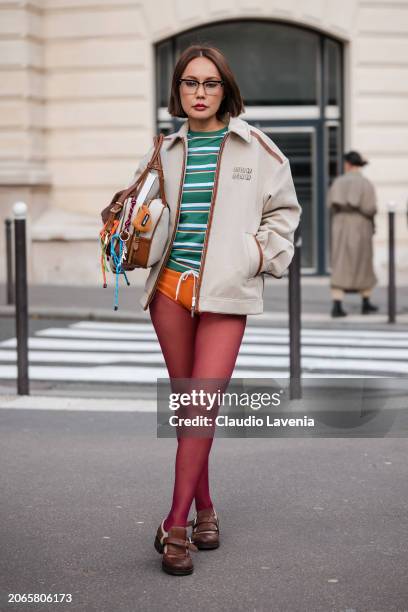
202,155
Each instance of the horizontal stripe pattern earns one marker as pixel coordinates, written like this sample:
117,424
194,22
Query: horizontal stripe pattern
202,154
117,353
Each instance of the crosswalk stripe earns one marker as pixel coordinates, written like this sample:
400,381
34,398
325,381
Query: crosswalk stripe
258,330
108,374
83,357
310,363
112,347
249,338
332,352
69,344
135,375
147,375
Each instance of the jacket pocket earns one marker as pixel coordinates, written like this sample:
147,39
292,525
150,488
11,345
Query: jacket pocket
254,255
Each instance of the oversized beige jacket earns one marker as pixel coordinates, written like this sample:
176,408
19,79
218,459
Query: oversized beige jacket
253,215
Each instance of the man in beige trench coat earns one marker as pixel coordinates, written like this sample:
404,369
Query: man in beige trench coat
352,202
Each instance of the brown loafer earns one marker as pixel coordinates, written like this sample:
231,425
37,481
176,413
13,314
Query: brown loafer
175,547
206,529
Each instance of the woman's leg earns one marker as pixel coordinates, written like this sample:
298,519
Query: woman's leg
172,321
337,294
175,329
202,497
217,342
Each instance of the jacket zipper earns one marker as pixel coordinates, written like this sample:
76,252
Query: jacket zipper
150,297
207,233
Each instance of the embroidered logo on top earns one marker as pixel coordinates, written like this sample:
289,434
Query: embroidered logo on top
242,173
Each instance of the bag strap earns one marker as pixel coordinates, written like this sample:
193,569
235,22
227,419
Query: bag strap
157,164
153,164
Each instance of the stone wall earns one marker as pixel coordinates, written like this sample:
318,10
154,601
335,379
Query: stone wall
77,109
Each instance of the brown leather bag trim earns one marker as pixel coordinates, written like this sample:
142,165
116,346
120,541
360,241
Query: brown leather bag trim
148,241
115,207
152,291
153,164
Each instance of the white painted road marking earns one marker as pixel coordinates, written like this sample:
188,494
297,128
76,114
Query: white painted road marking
155,356
90,351
360,333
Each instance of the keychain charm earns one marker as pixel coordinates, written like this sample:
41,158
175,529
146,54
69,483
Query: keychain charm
124,252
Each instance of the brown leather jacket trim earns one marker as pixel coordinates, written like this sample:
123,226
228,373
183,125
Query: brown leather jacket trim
265,146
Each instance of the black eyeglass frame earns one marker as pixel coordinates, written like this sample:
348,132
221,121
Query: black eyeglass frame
221,82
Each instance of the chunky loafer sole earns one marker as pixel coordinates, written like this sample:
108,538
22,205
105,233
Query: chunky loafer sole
176,572
206,545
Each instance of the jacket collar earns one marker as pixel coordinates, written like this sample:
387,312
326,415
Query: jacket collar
235,124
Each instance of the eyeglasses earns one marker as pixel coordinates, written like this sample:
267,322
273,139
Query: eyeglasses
190,86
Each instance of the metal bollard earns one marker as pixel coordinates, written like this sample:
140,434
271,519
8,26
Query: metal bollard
391,262
20,258
9,262
295,386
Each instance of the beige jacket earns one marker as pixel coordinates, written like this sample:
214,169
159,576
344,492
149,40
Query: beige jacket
254,213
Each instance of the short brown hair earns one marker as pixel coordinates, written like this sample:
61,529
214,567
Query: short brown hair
232,102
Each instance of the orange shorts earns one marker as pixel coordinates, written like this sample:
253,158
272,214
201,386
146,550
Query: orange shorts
169,281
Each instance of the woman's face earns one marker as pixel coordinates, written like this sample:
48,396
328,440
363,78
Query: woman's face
201,69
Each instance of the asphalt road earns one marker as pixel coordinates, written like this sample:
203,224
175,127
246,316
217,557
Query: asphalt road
307,525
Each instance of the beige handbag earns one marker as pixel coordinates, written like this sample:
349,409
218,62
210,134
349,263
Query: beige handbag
136,222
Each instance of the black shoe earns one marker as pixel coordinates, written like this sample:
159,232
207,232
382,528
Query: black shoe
367,306
337,310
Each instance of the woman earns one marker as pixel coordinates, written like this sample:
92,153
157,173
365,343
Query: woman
353,206
233,215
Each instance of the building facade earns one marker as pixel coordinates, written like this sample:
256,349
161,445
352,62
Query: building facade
85,86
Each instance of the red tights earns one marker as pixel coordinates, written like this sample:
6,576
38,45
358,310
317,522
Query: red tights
203,346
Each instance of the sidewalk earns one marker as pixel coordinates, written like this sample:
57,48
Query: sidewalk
96,303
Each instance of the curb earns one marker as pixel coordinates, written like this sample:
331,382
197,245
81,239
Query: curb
94,314
56,403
